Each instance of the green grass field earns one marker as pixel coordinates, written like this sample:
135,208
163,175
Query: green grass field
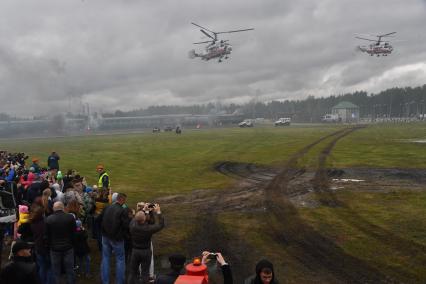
156,164
149,165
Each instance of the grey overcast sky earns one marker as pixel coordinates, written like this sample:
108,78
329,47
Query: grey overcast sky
128,54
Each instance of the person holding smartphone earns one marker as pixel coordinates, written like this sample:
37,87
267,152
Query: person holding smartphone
224,266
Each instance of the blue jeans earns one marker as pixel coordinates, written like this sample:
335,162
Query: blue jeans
44,268
67,257
109,246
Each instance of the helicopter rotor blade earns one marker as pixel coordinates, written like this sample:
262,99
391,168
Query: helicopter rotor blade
204,32
386,34
202,27
235,31
201,42
365,39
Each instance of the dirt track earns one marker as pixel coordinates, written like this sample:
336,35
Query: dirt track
281,191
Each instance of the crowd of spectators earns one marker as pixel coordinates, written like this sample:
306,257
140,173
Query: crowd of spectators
49,217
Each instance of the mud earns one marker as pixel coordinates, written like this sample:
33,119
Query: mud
281,191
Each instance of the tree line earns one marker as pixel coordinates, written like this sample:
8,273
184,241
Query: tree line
391,103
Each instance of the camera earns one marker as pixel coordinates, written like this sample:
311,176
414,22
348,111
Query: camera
212,255
147,208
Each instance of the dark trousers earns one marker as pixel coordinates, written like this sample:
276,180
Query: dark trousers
140,257
83,263
2,231
67,258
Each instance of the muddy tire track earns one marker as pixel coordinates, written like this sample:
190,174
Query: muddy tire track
250,172
313,250
320,184
318,255
209,234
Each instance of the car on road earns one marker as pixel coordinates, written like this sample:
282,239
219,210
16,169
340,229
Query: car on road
246,123
283,121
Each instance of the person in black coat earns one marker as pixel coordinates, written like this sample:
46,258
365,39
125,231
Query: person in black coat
177,262
141,233
60,228
22,269
53,161
38,229
114,221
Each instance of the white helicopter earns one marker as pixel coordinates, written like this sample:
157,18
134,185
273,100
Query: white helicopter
215,48
380,47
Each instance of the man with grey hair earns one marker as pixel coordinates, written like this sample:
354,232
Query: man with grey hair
60,228
114,221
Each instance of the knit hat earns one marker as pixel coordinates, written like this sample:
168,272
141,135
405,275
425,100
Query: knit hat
20,245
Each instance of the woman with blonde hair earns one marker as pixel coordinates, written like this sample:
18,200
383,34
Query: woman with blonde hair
46,202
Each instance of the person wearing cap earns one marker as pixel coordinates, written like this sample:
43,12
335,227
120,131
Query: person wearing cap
22,269
35,165
177,262
264,274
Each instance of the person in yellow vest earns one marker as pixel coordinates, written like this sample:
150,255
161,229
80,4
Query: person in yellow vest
103,181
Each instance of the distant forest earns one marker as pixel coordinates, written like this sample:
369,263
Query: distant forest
395,102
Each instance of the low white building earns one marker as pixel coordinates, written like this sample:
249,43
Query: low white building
346,111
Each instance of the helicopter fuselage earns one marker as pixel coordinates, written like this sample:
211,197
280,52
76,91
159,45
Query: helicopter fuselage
216,52
378,50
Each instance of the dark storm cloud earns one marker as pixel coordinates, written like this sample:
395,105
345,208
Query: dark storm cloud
55,55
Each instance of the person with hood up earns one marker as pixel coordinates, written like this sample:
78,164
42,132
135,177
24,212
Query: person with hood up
177,263
22,269
264,274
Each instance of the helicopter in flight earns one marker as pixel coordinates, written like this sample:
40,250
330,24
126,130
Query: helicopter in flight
215,48
379,47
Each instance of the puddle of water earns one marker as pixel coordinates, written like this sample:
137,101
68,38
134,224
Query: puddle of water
347,180
421,141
